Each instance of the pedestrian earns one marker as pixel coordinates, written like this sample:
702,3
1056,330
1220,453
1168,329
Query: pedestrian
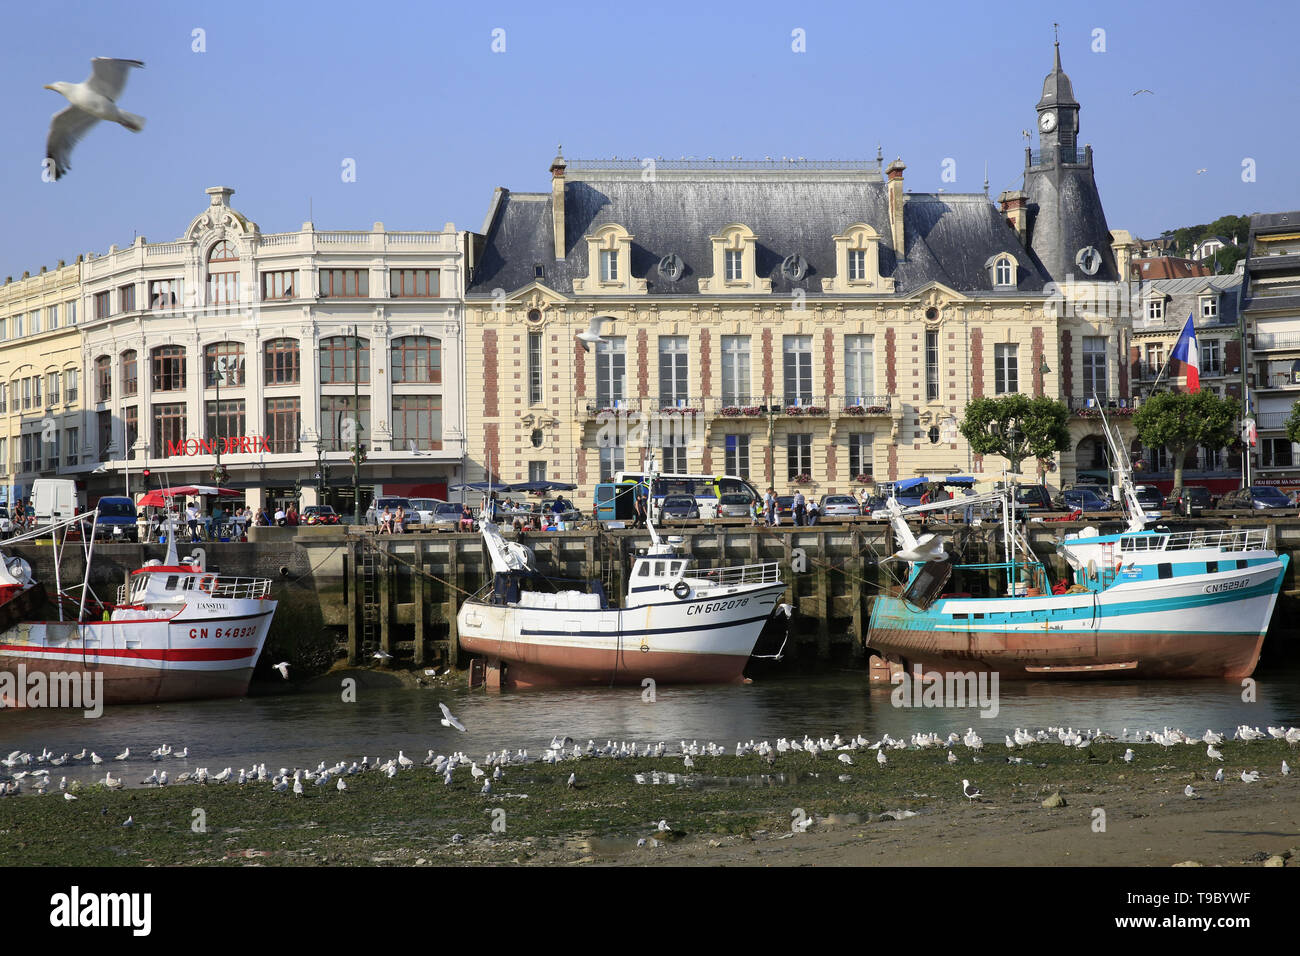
192,519
800,509
279,516
769,507
466,517
813,512
640,511
756,512
386,521
399,520
291,516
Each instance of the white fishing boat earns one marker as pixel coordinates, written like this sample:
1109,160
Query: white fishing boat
676,623
1140,603
175,632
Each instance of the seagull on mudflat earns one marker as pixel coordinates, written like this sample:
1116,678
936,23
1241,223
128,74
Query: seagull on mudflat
1212,753
1250,777
968,791
881,758
1218,775
1285,769
88,103
1128,755
1189,792
449,719
573,780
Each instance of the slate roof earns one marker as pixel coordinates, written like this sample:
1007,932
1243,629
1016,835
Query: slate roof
949,238
1185,298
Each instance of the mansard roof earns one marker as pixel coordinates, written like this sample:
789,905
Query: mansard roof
948,237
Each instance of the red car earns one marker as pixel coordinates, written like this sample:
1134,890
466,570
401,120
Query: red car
320,514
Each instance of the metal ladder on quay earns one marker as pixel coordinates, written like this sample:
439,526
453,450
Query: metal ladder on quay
370,559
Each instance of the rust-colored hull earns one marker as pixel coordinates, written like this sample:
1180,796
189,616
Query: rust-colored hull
1019,655
124,684
550,665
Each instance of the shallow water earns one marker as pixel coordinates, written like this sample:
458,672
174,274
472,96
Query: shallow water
301,729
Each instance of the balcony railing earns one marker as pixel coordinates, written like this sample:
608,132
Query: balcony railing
821,406
1269,420
1113,406
1065,154
1276,340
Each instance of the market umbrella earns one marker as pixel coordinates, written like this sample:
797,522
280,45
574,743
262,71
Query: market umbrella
159,497
542,486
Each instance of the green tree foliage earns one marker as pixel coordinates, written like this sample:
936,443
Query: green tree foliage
1227,227
1016,427
1292,425
1179,421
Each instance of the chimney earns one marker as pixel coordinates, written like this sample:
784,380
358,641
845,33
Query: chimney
1013,206
895,173
558,166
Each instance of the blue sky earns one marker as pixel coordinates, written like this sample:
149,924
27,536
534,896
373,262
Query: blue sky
435,119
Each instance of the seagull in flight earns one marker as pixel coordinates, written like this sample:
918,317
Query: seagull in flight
283,668
449,719
1136,92
88,103
592,335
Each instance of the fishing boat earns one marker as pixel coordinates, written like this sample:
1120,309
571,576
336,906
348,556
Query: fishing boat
676,623
1145,602
175,632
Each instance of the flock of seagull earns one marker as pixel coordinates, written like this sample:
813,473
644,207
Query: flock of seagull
34,771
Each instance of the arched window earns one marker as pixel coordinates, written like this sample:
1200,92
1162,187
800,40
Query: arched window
130,374
223,363
416,360
1003,271
169,368
342,357
223,283
282,362
103,378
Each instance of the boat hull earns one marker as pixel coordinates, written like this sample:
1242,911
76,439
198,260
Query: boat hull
147,660
702,640
1203,626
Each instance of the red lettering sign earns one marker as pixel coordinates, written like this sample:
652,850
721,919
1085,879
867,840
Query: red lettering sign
231,445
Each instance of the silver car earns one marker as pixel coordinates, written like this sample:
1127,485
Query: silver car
839,506
735,506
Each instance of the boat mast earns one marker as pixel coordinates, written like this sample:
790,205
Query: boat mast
1133,507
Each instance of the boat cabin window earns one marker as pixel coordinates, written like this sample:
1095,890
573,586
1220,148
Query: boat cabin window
677,567
1166,570
1211,567
659,568
644,570
171,581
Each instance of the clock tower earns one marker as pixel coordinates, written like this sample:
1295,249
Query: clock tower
1066,224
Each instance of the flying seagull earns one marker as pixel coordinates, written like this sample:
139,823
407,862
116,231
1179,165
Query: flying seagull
968,791
449,719
1136,92
592,335
283,668
89,102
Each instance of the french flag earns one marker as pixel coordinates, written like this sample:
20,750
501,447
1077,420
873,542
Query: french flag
1187,352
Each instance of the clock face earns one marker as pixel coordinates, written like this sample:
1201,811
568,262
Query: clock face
1047,122
1089,260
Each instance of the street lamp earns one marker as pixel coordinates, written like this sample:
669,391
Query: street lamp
358,450
221,366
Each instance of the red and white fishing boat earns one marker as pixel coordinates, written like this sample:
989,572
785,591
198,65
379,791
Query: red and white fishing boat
676,623
176,632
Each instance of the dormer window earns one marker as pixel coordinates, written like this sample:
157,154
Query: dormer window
1156,309
734,263
609,263
1209,306
1003,271
857,262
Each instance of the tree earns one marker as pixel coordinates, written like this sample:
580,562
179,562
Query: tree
1016,427
1179,421
1292,425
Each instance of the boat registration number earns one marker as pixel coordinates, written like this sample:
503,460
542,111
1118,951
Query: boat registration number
235,632
1226,586
716,606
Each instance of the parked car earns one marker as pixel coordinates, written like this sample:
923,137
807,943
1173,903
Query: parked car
1033,498
376,511
838,506
423,508
320,514
679,507
1149,497
116,519
1191,502
1083,499
735,506
785,506
1255,498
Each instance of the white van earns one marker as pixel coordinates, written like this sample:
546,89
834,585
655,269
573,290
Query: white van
54,499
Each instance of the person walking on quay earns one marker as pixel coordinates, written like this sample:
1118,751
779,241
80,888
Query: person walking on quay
639,522
756,513
800,509
769,507
192,519
291,516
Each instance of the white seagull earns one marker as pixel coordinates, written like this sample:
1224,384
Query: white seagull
1218,775
1250,777
1128,755
88,103
573,780
1212,753
969,792
592,335
1285,769
881,758
283,668
449,719
1189,792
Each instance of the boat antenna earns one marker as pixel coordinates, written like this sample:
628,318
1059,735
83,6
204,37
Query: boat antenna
1124,469
651,474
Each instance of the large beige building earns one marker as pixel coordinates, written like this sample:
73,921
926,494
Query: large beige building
794,323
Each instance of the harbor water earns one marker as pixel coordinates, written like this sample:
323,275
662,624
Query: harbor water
300,729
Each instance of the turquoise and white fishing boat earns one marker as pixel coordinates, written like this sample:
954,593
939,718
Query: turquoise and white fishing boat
1141,603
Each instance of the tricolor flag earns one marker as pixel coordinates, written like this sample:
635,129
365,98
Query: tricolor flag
1186,351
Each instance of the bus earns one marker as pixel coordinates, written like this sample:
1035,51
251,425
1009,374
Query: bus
705,489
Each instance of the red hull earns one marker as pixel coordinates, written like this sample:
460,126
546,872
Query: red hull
137,685
1017,655
549,666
